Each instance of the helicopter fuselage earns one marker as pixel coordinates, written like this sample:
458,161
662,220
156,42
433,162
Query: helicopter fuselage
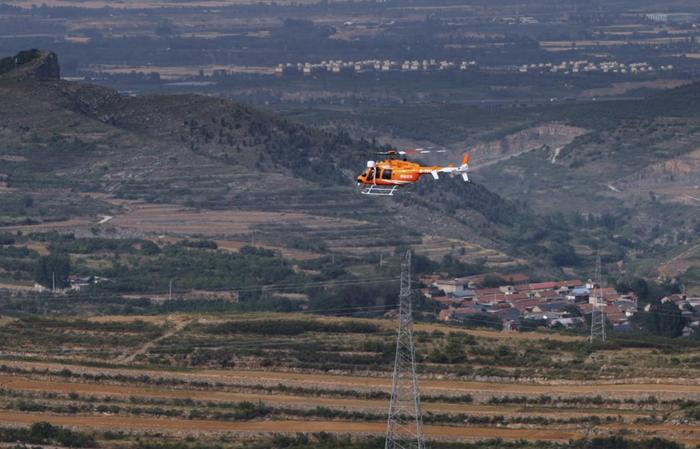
393,172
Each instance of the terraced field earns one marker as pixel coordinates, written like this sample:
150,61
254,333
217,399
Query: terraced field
236,374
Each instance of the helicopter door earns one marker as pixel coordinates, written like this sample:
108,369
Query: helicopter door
386,174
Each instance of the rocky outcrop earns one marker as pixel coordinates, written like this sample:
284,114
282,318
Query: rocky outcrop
551,135
31,64
678,171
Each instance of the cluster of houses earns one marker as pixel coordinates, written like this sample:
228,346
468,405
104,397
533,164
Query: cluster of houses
584,66
553,303
371,65
679,17
433,65
75,284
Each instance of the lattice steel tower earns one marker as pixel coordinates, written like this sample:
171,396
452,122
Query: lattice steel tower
598,311
405,423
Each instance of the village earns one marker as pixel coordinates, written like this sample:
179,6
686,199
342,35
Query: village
516,302
566,67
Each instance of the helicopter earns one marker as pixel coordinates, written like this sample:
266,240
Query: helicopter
384,177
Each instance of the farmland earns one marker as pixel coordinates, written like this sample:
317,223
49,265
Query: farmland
187,263
162,375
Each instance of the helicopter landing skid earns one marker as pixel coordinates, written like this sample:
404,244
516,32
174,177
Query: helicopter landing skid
379,190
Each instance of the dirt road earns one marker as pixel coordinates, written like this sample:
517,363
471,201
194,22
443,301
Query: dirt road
178,325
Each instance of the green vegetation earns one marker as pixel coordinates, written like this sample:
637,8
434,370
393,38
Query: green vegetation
44,433
453,351
287,327
326,441
663,319
53,270
67,243
201,269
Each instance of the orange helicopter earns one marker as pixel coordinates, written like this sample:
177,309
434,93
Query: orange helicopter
384,177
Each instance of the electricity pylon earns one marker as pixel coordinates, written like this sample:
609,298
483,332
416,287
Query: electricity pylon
598,312
405,423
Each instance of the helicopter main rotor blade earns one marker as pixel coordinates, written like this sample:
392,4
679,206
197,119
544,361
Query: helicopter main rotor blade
410,151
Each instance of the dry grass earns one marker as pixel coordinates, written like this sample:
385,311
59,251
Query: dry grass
174,219
101,390
623,388
289,253
281,426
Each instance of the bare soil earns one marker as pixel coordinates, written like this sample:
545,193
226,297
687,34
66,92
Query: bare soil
688,434
27,384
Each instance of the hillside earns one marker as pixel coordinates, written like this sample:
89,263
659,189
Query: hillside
73,151
623,171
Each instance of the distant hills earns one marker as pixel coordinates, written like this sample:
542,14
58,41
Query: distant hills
622,174
61,139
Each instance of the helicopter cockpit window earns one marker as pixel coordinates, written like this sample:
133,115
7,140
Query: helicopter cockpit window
370,174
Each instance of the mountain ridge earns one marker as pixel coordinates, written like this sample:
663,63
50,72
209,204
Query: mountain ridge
212,153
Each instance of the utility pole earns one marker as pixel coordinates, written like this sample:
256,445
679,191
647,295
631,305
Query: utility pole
381,259
53,282
170,290
405,422
598,311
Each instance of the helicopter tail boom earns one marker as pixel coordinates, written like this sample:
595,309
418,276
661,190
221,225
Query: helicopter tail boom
452,170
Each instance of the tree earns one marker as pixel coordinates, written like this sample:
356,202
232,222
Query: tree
493,280
641,288
52,268
563,254
482,320
663,319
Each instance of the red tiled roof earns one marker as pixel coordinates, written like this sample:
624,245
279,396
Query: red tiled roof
608,293
551,285
613,314
519,296
497,297
487,291
467,310
573,283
